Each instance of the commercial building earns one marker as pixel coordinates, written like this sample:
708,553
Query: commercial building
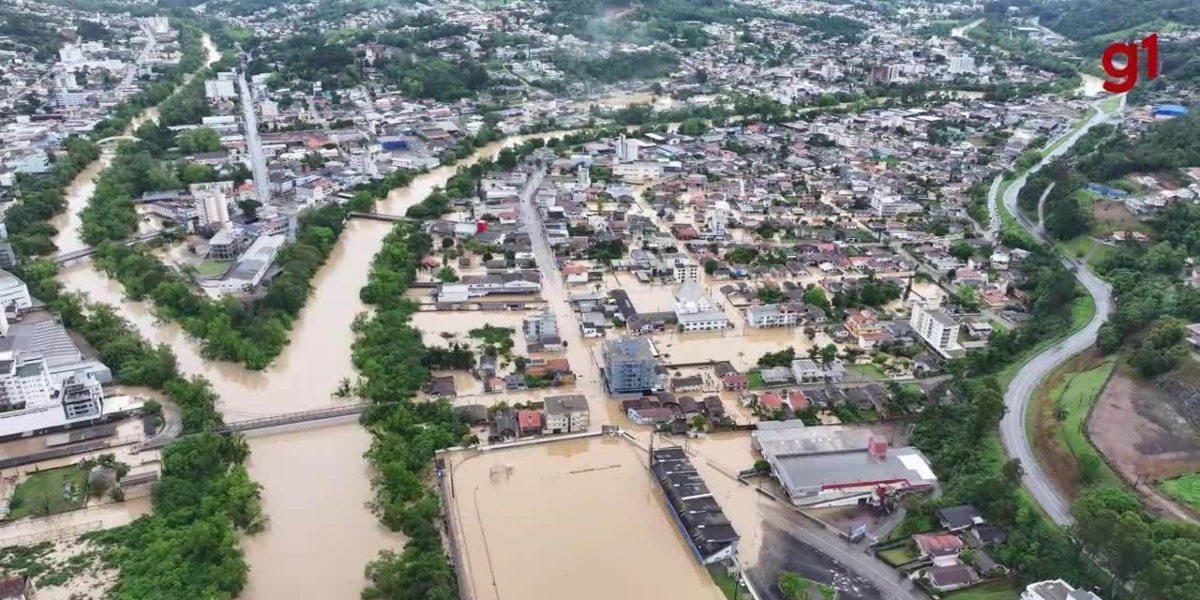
891,205
221,88
693,506
638,172
627,149
770,315
566,414
14,294
629,366
540,326
516,282
685,270
251,267
934,326
1055,589
839,466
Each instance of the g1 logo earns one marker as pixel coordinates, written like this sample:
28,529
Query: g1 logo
1126,76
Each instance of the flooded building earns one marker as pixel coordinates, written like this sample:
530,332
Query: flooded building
629,366
696,511
839,466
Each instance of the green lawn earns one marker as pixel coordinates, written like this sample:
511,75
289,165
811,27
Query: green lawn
756,380
1076,393
997,590
43,493
898,556
1110,105
868,370
1185,489
1077,247
795,587
726,582
1082,311
212,268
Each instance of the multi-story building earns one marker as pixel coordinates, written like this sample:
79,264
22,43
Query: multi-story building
771,315
226,244
627,149
686,270
221,88
718,219
629,366
212,207
695,311
566,414
887,205
8,258
935,326
638,172
541,326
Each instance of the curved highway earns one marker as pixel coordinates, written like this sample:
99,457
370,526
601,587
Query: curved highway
1021,388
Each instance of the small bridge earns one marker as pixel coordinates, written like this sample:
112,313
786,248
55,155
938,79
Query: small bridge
379,217
67,257
116,138
307,416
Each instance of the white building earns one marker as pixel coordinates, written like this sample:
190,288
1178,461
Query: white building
1055,589
770,315
935,326
718,219
695,311
889,205
962,64
566,414
73,98
269,110
807,371
638,172
627,149
212,207
13,293
685,270
158,25
220,89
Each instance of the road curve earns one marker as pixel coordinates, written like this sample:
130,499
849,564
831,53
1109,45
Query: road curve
1016,398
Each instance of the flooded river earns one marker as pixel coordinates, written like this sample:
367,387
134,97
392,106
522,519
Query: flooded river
315,482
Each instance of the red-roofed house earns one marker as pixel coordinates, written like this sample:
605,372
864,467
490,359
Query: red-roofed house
530,422
736,381
798,400
575,273
771,400
942,549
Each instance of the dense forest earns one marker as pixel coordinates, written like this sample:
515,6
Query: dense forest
1084,19
26,33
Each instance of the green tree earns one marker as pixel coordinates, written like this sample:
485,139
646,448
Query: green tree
200,139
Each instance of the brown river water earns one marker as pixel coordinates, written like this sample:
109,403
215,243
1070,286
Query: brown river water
315,481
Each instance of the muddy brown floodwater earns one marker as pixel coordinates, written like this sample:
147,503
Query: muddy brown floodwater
315,482
578,519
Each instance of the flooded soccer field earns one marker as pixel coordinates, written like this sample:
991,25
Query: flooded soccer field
578,519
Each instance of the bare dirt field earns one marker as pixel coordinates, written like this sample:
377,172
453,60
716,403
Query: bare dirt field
1115,215
1144,431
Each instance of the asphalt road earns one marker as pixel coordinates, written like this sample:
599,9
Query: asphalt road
1021,388
258,162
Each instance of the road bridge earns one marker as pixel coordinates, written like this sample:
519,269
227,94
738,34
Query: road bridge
307,416
379,217
116,138
67,257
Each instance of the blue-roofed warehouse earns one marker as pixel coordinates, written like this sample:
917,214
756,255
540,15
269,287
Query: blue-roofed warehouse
1169,111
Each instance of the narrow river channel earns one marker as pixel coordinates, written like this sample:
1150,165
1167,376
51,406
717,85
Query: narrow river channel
315,481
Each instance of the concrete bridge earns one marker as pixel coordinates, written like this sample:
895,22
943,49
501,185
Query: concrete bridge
116,138
379,217
66,257
280,420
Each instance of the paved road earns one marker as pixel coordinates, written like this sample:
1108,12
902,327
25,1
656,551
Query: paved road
1021,388
258,162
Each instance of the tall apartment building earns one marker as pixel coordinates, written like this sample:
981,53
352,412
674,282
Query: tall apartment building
627,149
686,270
718,219
540,326
212,207
629,366
935,326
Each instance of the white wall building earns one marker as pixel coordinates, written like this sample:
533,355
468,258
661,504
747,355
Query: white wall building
627,149
718,219
212,208
888,205
962,64
1055,589
770,315
695,311
686,270
638,172
14,292
219,89
935,326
